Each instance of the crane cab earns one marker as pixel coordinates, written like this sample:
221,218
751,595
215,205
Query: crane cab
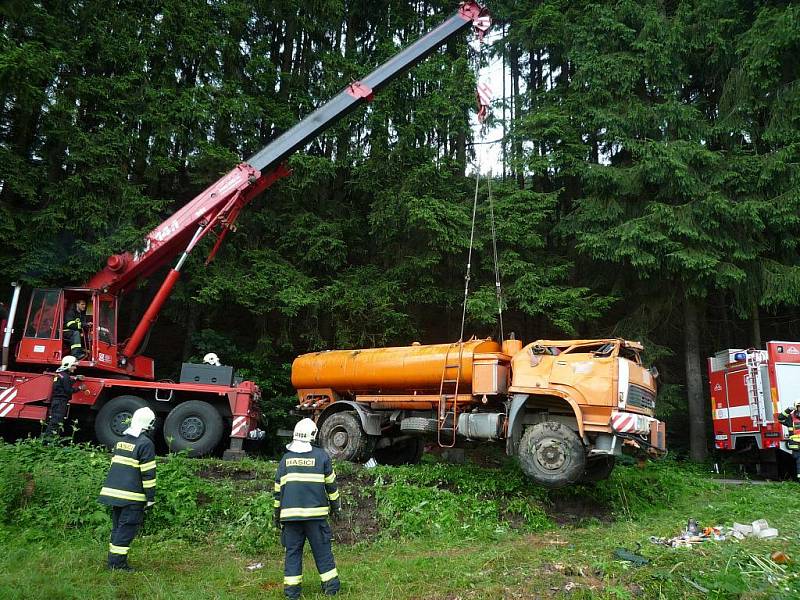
44,340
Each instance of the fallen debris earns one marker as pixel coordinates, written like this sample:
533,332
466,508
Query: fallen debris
693,534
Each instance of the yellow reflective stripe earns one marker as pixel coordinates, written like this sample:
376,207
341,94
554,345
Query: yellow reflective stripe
118,549
124,460
75,346
331,478
277,487
334,495
293,580
122,494
276,503
328,575
147,466
304,477
288,513
149,483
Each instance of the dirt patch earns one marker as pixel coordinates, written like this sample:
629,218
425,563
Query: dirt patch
218,472
570,512
359,518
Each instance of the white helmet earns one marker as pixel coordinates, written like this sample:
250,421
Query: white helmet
211,359
142,420
66,363
305,432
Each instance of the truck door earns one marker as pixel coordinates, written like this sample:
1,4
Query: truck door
105,331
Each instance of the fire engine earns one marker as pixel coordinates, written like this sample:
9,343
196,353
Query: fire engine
207,401
749,388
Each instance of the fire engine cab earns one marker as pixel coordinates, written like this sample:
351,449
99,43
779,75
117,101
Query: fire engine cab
749,389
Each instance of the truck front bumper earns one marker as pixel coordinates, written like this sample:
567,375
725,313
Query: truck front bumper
641,431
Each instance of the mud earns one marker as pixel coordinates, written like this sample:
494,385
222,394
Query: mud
359,517
572,512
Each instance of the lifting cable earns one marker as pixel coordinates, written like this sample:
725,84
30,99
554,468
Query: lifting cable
469,256
498,291
497,288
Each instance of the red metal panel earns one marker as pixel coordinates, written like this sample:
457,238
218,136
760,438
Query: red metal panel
719,404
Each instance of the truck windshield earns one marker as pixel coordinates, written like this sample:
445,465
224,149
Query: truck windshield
42,315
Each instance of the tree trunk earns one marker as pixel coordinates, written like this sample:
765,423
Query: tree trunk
698,445
755,322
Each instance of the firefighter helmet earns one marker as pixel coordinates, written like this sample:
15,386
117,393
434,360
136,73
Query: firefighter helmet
211,359
143,419
305,431
66,363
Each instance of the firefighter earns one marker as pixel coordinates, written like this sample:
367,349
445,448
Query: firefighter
305,493
130,486
791,419
64,385
75,322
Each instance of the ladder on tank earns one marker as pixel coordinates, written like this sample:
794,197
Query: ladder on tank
448,391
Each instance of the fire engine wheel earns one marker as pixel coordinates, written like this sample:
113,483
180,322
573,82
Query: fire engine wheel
598,469
405,452
343,438
114,418
195,426
552,454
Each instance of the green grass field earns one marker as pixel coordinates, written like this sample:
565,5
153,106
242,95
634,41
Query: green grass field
435,531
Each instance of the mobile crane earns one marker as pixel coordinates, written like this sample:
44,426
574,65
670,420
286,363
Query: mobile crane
198,409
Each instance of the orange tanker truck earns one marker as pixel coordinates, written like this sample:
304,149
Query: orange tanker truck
565,408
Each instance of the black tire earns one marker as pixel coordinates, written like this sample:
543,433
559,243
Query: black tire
598,469
552,454
419,425
405,452
195,426
343,438
114,418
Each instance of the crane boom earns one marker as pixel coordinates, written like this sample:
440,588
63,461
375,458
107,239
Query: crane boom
217,208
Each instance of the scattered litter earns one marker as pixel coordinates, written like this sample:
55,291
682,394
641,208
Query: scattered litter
632,557
255,566
571,585
779,557
694,534
371,463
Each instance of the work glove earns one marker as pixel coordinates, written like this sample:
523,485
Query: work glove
276,519
79,377
336,515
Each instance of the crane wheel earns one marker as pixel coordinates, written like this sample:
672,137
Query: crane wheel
195,426
552,454
114,418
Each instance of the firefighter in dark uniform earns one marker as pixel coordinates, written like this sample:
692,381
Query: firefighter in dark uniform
791,419
130,486
63,387
75,322
305,493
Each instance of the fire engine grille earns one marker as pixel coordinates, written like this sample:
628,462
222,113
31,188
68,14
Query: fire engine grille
641,398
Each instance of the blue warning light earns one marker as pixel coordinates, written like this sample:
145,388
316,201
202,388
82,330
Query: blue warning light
740,356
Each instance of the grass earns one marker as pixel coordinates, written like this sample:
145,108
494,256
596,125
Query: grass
433,531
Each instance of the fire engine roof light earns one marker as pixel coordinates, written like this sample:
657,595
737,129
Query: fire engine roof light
740,356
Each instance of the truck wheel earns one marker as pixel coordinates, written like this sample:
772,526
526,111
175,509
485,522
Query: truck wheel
115,417
552,454
343,438
598,469
195,426
405,452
